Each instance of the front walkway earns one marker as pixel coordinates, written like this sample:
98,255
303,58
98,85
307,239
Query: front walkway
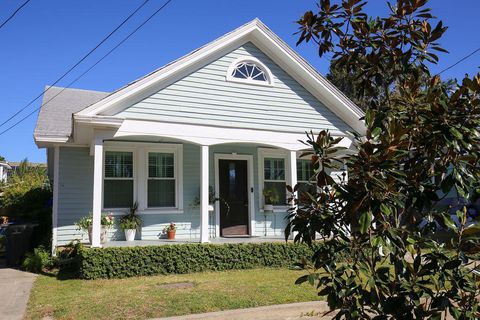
15,289
292,311
221,240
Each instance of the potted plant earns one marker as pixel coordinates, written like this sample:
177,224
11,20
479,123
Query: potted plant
271,197
170,231
85,224
130,222
212,198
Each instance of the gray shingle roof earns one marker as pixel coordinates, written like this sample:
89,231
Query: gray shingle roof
55,117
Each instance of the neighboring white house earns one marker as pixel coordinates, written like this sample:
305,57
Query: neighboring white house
228,117
4,167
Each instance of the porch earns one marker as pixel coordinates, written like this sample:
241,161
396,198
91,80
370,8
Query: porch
173,177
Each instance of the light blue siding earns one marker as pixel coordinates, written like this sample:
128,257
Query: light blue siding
206,97
74,193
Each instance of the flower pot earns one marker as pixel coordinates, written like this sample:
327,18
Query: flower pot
103,235
171,234
211,207
130,234
268,208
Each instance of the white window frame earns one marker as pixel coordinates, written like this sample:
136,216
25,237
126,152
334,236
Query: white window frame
272,153
140,174
134,174
267,72
176,150
302,159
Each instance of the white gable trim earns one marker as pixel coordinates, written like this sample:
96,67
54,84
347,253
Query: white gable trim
262,37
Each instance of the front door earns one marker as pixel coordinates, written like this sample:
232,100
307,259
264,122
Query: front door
233,186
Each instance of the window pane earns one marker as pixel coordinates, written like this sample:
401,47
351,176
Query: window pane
274,169
161,193
281,188
304,170
118,164
118,193
160,165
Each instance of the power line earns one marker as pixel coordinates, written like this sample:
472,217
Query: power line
14,13
459,61
88,70
76,64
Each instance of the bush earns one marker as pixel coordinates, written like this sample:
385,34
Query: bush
37,261
125,262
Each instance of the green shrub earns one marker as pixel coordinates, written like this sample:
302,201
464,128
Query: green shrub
38,260
185,258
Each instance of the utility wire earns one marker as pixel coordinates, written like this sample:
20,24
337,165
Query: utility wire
13,14
459,61
88,70
76,64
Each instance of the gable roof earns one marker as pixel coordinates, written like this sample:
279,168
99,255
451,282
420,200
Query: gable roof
58,105
255,32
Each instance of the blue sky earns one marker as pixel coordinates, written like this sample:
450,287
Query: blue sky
49,36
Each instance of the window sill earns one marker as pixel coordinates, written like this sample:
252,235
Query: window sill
161,211
277,209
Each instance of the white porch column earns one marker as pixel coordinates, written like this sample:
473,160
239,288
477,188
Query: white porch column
293,169
293,178
204,195
97,190
56,164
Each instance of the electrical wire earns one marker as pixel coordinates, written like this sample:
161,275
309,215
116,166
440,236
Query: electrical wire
88,70
76,64
13,14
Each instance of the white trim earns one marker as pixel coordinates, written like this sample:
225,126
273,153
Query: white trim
271,153
52,139
263,67
250,184
256,32
97,190
177,151
209,135
56,171
133,178
140,152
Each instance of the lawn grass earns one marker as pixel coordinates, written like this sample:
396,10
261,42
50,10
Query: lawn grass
144,297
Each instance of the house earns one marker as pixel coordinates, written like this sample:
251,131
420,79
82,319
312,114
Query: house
227,117
4,168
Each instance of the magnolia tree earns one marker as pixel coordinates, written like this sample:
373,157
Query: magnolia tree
378,258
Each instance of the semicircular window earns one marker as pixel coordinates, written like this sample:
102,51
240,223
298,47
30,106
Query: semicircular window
249,71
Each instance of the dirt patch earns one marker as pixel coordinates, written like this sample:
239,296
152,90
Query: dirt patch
177,285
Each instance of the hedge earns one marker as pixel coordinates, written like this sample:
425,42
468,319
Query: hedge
122,262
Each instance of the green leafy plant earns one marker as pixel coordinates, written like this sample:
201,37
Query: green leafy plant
171,227
85,223
271,196
37,261
421,144
187,258
131,220
212,198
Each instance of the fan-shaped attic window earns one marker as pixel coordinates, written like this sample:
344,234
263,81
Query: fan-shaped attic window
251,71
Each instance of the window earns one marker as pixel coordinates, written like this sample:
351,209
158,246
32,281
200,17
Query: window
274,177
161,184
249,70
118,180
305,173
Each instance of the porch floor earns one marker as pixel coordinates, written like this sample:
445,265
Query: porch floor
161,242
